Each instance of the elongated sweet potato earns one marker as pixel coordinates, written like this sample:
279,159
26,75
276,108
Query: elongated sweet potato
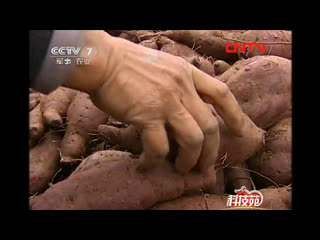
273,199
169,46
54,106
127,138
36,125
110,180
150,43
83,119
209,42
135,36
213,42
277,42
274,160
202,63
262,86
44,162
34,99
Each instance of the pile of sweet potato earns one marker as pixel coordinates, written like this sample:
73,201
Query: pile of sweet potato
82,158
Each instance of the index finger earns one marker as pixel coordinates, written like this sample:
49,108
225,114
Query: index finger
219,95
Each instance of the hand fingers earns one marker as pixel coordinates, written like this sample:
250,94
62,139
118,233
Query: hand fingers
189,138
155,145
219,95
210,129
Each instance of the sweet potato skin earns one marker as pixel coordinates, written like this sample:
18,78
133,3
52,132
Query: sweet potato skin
83,117
34,99
177,49
274,159
54,106
110,180
268,36
273,199
134,35
150,43
169,46
209,42
44,162
36,125
220,67
202,63
262,86
126,138
213,42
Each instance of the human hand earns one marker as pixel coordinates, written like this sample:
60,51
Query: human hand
155,92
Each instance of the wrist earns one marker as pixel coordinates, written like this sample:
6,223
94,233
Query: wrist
98,49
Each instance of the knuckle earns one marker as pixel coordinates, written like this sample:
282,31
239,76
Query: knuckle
195,140
211,128
161,151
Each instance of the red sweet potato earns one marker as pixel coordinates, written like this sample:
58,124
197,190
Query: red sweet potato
220,67
274,159
34,99
54,106
277,42
190,55
150,43
36,125
128,138
209,42
44,162
262,87
213,42
83,119
135,36
110,180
